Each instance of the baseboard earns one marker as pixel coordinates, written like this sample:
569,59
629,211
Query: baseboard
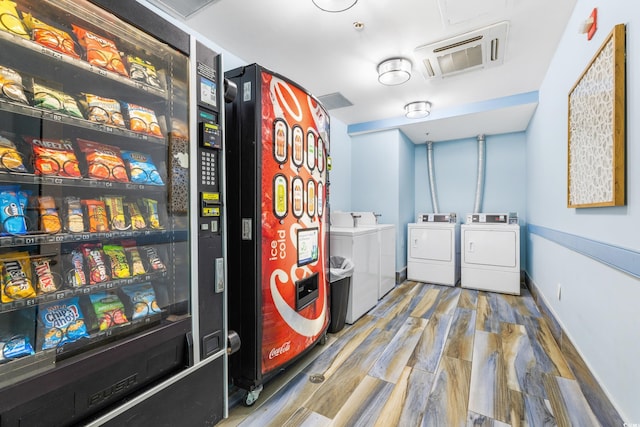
401,276
600,403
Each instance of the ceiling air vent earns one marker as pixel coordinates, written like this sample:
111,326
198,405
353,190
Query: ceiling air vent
475,50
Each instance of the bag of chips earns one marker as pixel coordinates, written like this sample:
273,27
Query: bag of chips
103,110
141,168
11,85
135,261
101,51
137,220
143,71
97,263
142,119
55,100
49,36
49,218
74,221
10,158
119,264
16,277
104,162
97,215
152,259
74,265
10,21
109,310
115,209
54,157
11,212
14,347
151,211
45,280
143,300
61,322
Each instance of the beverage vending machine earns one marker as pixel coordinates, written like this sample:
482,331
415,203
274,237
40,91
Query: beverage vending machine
112,264
277,148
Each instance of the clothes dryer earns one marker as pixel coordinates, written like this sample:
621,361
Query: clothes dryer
361,246
491,253
433,249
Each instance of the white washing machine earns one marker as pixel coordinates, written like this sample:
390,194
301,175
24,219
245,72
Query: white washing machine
361,246
433,249
387,245
491,253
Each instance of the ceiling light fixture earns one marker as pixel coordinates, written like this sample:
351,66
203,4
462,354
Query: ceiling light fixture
417,110
394,71
334,5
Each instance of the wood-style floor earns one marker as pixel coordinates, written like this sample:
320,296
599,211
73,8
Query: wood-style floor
430,355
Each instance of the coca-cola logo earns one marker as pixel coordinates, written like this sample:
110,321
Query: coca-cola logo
275,352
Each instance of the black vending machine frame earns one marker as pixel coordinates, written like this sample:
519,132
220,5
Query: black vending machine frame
243,124
178,388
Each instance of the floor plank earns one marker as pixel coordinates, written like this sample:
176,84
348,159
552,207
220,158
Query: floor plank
448,402
489,394
390,364
427,304
460,340
365,404
428,351
568,403
305,418
521,367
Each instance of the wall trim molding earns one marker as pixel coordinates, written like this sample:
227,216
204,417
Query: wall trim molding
625,260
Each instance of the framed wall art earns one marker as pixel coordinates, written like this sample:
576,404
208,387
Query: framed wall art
596,143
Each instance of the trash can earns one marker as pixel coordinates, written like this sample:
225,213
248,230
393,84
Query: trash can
340,272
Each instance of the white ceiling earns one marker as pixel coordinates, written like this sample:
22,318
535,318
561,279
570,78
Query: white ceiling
324,53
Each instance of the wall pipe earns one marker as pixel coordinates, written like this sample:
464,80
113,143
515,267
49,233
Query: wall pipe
432,180
480,180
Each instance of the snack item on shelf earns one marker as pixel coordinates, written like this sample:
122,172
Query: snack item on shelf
49,36
54,157
151,210
96,262
142,119
179,128
109,310
141,168
74,222
10,158
150,256
61,322
137,220
11,212
143,300
115,210
49,218
15,346
143,71
119,264
102,110
10,21
101,51
16,277
55,100
135,261
96,214
104,161
75,274
11,85
45,280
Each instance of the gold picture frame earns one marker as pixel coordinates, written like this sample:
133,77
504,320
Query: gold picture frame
596,143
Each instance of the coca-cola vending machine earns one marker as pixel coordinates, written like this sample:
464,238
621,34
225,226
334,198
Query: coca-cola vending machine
277,148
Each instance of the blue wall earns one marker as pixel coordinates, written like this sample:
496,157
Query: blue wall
340,174
598,307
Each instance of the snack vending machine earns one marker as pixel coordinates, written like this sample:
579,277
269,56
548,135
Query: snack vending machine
277,143
111,211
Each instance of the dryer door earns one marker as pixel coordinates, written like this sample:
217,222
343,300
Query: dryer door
490,247
431,243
